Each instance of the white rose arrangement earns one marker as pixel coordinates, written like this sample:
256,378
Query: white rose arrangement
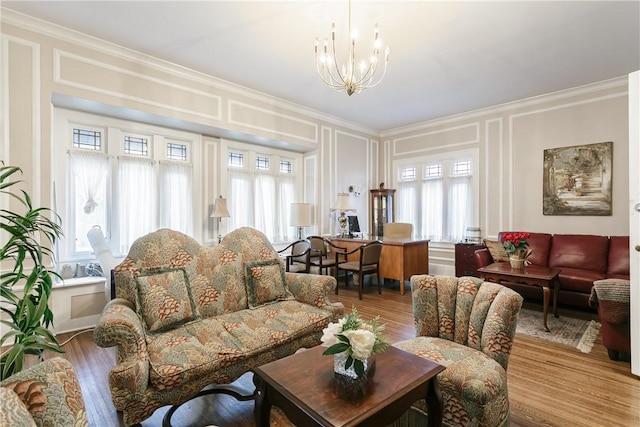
357,338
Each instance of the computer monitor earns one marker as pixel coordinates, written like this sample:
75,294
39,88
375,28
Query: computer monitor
354,226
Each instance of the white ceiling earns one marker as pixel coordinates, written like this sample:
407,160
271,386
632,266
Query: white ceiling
446,57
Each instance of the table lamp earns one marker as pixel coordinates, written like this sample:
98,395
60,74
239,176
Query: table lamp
300,216
342,205
220,211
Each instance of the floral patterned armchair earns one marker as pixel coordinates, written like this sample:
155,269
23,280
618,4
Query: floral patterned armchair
468,326
47,394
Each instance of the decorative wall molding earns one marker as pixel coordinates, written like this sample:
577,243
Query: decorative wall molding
77,61
237,110
473,137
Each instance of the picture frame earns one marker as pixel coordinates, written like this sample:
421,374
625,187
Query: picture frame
577,180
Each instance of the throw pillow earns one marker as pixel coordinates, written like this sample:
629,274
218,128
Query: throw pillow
265,282
497,250
164,299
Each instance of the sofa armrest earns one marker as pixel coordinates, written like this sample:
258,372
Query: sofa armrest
119,326
314,289
482,257
612,297
51,393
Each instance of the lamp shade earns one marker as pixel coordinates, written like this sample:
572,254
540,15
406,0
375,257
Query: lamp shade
343,204
300,215
220,209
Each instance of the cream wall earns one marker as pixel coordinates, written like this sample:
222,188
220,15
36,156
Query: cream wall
44,66
511,139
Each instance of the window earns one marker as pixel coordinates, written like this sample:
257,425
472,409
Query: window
236,160
437,195
260,197
135,145
114,180
176,151
286,167
262,163
88,139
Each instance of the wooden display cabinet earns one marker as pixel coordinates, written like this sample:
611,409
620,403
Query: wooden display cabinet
381,206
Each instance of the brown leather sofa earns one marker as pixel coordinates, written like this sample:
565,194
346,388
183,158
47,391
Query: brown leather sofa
581,258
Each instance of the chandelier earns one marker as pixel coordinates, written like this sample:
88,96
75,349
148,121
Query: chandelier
346,77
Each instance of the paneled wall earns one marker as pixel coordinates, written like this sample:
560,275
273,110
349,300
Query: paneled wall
511,139
44,67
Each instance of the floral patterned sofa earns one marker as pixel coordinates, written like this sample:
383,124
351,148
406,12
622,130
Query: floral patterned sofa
468,326
47,394
187,316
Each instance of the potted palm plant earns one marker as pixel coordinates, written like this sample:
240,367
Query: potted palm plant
28,234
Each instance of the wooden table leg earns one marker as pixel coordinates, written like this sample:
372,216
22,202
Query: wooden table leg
434,403
545,305
262,408
556,292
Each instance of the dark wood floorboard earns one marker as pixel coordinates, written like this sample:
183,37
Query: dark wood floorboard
549,385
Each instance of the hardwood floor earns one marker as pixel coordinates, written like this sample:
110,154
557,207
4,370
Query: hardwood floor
549,385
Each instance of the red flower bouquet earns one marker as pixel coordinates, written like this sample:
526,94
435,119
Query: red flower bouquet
516,244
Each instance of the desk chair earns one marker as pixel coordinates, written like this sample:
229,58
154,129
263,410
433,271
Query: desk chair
397,230
298,261
368,263
323,253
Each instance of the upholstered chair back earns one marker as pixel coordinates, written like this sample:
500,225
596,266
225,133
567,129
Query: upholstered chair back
468,311
397,230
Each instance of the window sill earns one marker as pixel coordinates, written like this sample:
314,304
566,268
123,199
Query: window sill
80,281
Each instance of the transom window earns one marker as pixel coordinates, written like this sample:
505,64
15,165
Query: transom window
408,174
236,160
462,168
262,163
87,139
136,145
286,167
176,151
433,171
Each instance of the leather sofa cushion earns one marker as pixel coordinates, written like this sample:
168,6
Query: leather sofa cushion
618,263
540,244
578,280
579,251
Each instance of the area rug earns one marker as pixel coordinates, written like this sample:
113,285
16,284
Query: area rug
577,333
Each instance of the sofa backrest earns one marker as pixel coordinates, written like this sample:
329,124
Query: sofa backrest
215,277
618,262
580,251
540,244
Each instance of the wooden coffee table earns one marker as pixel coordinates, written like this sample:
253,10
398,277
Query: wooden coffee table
533,275
303,386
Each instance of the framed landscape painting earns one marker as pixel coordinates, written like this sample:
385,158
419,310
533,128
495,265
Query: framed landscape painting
577,180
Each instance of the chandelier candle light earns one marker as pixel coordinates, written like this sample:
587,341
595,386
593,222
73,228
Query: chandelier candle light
343,78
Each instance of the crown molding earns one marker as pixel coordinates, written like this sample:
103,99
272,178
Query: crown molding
48,29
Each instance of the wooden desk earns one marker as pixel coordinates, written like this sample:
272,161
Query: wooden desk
400,258
533,275
303,386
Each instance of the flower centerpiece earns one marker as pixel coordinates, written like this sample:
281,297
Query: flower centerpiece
517,247
352,341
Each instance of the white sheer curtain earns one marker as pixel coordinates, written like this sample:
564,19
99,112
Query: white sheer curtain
176,204
287,191
89,173
432,209
406,203
459,210
136,201
240,200
265,202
